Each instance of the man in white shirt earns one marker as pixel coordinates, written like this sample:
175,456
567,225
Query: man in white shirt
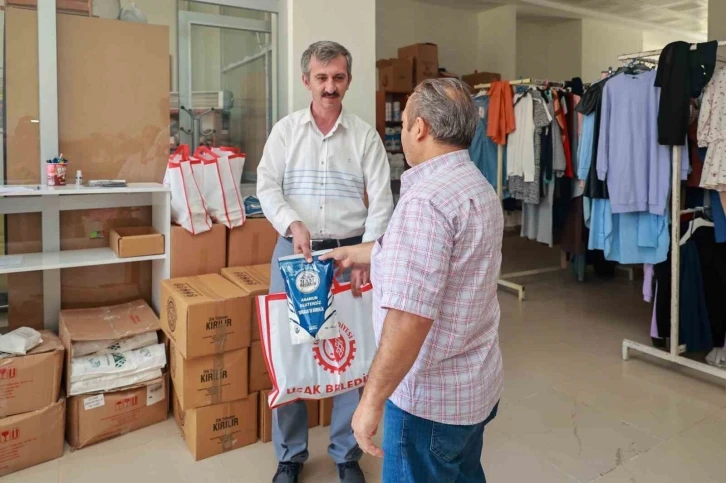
318,166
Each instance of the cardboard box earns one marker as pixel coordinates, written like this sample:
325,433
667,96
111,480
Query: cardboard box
104,323
255,280
32,381
136,241
480,78
395,75
205,315
425,58
32,438
198,254
209,380
259,376
216,429
251,243
326,411
265,423
93,418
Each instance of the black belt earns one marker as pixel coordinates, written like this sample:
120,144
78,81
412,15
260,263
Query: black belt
330,244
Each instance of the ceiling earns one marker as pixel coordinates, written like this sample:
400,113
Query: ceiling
686,16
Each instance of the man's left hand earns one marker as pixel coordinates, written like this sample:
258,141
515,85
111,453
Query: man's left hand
365,425
358,277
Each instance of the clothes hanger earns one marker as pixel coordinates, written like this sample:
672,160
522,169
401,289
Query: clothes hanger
694,225
482,93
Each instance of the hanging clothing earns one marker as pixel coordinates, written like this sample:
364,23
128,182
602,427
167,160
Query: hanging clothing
574,126
628,238
719,218
560,108
518,188
712,132
520,143
591,103
585,150
483,151
682,74
501,112
703,283
637,168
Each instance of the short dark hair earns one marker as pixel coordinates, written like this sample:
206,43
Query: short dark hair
448,109
325,51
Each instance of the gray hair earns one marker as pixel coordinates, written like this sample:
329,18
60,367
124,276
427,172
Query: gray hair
325,51
446,106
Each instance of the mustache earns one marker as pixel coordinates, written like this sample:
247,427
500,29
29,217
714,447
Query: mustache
331,95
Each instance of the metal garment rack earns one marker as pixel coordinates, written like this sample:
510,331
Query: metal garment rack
674,355
504,278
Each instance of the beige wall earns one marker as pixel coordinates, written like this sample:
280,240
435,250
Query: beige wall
497,46
602,43
549,48
406,22
657,39
350,22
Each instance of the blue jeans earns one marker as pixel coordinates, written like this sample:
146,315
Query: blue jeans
417,450
290,422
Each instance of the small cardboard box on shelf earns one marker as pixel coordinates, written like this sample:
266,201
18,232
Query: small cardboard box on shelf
395,75
136,241
251,243
198,254
205,315
93,418
209,380
32,381
255,280
217,429
32,438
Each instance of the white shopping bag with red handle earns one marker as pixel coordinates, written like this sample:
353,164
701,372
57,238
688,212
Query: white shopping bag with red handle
220,188
236,160
323,368
187,203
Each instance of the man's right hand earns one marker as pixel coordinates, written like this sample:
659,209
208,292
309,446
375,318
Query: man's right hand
301,240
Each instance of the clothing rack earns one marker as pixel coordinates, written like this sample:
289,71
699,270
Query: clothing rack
504,278
674,355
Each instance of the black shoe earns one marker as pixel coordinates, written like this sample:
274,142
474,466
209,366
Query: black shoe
287,473
350,472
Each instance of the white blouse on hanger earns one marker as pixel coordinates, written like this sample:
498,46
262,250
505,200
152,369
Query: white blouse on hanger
712,132
520,143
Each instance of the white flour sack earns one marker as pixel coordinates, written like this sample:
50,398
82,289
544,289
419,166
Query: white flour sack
84,348
109,371
323,368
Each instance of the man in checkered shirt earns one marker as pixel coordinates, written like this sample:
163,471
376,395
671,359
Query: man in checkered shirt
438,370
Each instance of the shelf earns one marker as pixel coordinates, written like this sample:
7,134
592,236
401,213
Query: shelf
71,259
394,122
394,152
72,189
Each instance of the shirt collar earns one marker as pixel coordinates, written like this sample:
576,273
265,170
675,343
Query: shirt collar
424,170
342,120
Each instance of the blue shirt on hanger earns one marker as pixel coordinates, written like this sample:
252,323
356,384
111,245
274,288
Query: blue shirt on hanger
483,151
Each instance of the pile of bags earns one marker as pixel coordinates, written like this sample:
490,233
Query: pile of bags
104,365
205,187
19,342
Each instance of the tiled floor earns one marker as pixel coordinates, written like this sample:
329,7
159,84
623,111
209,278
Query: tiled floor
572,410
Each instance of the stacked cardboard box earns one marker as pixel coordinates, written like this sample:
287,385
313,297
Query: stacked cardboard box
99,416
32,410
425,59
198,254
207,319
251,243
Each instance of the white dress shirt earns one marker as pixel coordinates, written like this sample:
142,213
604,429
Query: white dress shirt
322,180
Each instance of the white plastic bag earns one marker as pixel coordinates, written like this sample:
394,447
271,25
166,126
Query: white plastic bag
236,160
188,207
98,347
111,382
114,370
20,341
220,188
324,368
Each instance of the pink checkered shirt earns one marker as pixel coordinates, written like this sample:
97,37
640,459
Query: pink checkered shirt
440,259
